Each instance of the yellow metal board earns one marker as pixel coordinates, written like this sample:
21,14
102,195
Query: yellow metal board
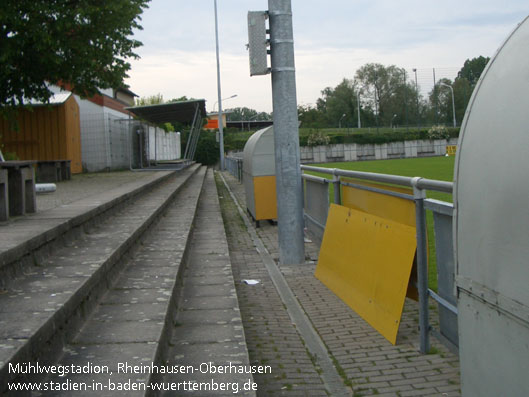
265,197
388,207
451,150
366,261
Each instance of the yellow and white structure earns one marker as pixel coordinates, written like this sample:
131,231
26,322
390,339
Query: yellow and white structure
259,175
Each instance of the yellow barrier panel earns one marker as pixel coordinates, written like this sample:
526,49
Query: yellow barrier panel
388,207
451,150
366,261
265,197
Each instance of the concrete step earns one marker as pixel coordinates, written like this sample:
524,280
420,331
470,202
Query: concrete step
41,310
27,240
208,333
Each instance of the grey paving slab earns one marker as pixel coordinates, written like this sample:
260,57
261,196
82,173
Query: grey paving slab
108,354
209,316
10,328
124,296
211,290
30,302
145,281
206,302
140,312
160,269
117,331
217,353
224,278
8,348
207,333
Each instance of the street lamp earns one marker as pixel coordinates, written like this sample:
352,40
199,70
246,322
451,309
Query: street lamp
358,103
223,99
340,121
392,120
221,128
453,102
417,96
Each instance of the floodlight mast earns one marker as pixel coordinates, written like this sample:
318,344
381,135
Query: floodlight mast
286,134
221,130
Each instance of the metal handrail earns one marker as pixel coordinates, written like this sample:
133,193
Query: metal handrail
420,183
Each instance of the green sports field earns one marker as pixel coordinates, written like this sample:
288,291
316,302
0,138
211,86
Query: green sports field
440,168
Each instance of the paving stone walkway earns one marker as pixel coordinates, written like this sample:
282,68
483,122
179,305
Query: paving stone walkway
366,361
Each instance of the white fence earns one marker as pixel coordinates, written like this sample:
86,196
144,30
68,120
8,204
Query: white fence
109,142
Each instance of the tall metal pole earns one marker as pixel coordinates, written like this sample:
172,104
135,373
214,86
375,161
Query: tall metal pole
286,134
453,107
436,98
221,130
358,103
453,102
417,97
406,100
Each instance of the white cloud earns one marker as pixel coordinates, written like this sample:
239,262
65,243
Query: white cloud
332,40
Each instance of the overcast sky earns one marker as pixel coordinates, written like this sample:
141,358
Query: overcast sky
332,39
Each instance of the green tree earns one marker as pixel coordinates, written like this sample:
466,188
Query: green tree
337,101
395,94
245,114
84,43
311,117
472,69
149,100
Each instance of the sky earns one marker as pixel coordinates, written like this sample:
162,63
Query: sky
332,39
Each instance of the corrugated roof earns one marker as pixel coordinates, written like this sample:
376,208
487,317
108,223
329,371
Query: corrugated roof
170,112
55,99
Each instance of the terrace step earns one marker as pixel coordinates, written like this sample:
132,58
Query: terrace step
26,241
208,329
42,309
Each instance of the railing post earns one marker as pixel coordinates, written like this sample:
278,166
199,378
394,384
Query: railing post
337,194
422,265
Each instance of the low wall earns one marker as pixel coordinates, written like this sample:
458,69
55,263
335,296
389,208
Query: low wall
358,152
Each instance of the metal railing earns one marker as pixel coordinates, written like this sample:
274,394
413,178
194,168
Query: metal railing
234,166
442,212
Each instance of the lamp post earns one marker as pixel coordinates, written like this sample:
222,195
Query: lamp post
358,105
453,101
340,121
417,97
223,99
221,130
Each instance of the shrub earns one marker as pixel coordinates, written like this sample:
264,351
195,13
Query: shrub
317,138
208,152
438,132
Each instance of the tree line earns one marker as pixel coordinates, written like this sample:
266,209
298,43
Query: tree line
386,96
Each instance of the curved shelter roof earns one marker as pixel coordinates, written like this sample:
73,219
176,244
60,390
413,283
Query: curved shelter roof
182,112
